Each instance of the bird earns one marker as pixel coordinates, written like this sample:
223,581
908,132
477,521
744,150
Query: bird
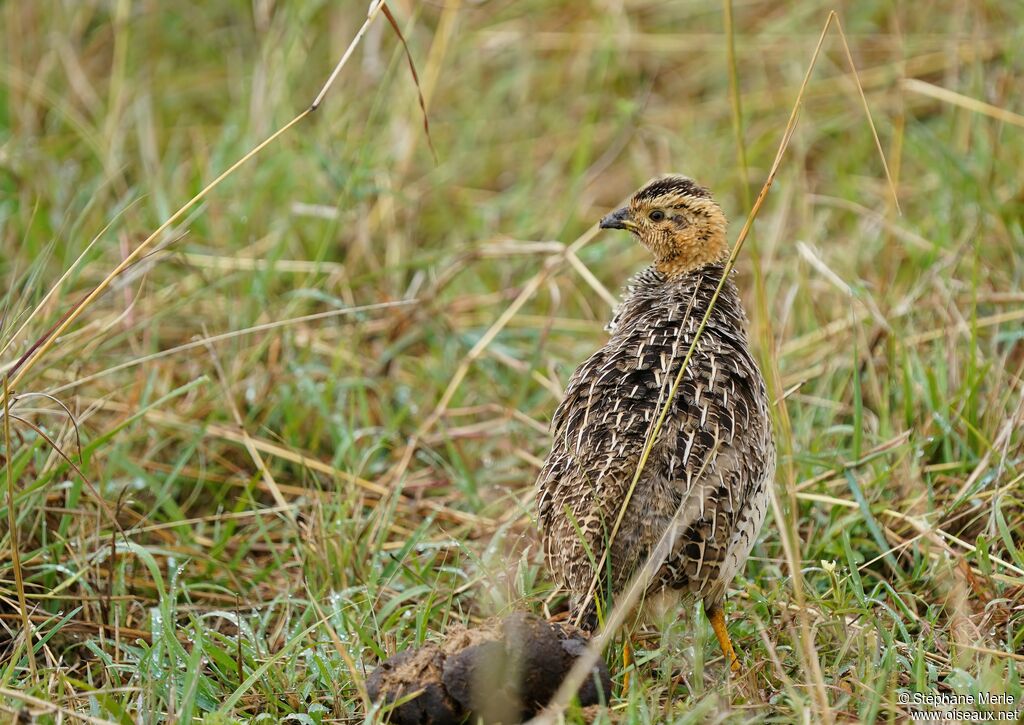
708,472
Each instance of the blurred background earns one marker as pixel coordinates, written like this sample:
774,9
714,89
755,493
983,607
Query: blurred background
302,432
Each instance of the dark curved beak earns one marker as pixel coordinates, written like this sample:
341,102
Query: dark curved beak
618,219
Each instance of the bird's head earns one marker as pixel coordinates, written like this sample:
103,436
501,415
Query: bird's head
678,221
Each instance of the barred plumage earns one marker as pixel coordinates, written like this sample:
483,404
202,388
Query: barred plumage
711,465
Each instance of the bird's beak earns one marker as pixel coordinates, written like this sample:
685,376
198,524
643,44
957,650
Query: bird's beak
618,219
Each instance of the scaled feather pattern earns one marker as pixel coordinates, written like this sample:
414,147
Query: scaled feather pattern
710,467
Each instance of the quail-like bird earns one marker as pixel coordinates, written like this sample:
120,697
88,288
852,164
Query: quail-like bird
709,469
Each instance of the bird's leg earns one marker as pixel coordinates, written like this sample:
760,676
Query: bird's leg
627,662
717,616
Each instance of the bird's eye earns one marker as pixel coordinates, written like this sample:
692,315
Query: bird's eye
657,215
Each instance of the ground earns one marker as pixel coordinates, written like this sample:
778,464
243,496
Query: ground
302,432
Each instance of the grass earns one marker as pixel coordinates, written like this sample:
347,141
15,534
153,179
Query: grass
311,473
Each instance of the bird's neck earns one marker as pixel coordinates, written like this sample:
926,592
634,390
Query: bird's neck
653,282
691,254
680,267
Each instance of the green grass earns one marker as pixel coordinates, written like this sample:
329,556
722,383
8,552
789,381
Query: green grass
897,339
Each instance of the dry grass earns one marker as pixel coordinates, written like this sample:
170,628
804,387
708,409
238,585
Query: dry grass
259,470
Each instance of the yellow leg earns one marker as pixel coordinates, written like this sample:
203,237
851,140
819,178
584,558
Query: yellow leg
627,662
717,617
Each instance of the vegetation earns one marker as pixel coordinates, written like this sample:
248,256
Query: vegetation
301,433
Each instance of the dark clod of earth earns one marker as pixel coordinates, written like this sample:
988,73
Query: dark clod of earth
504,672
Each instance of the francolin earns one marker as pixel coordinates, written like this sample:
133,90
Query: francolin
708,470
